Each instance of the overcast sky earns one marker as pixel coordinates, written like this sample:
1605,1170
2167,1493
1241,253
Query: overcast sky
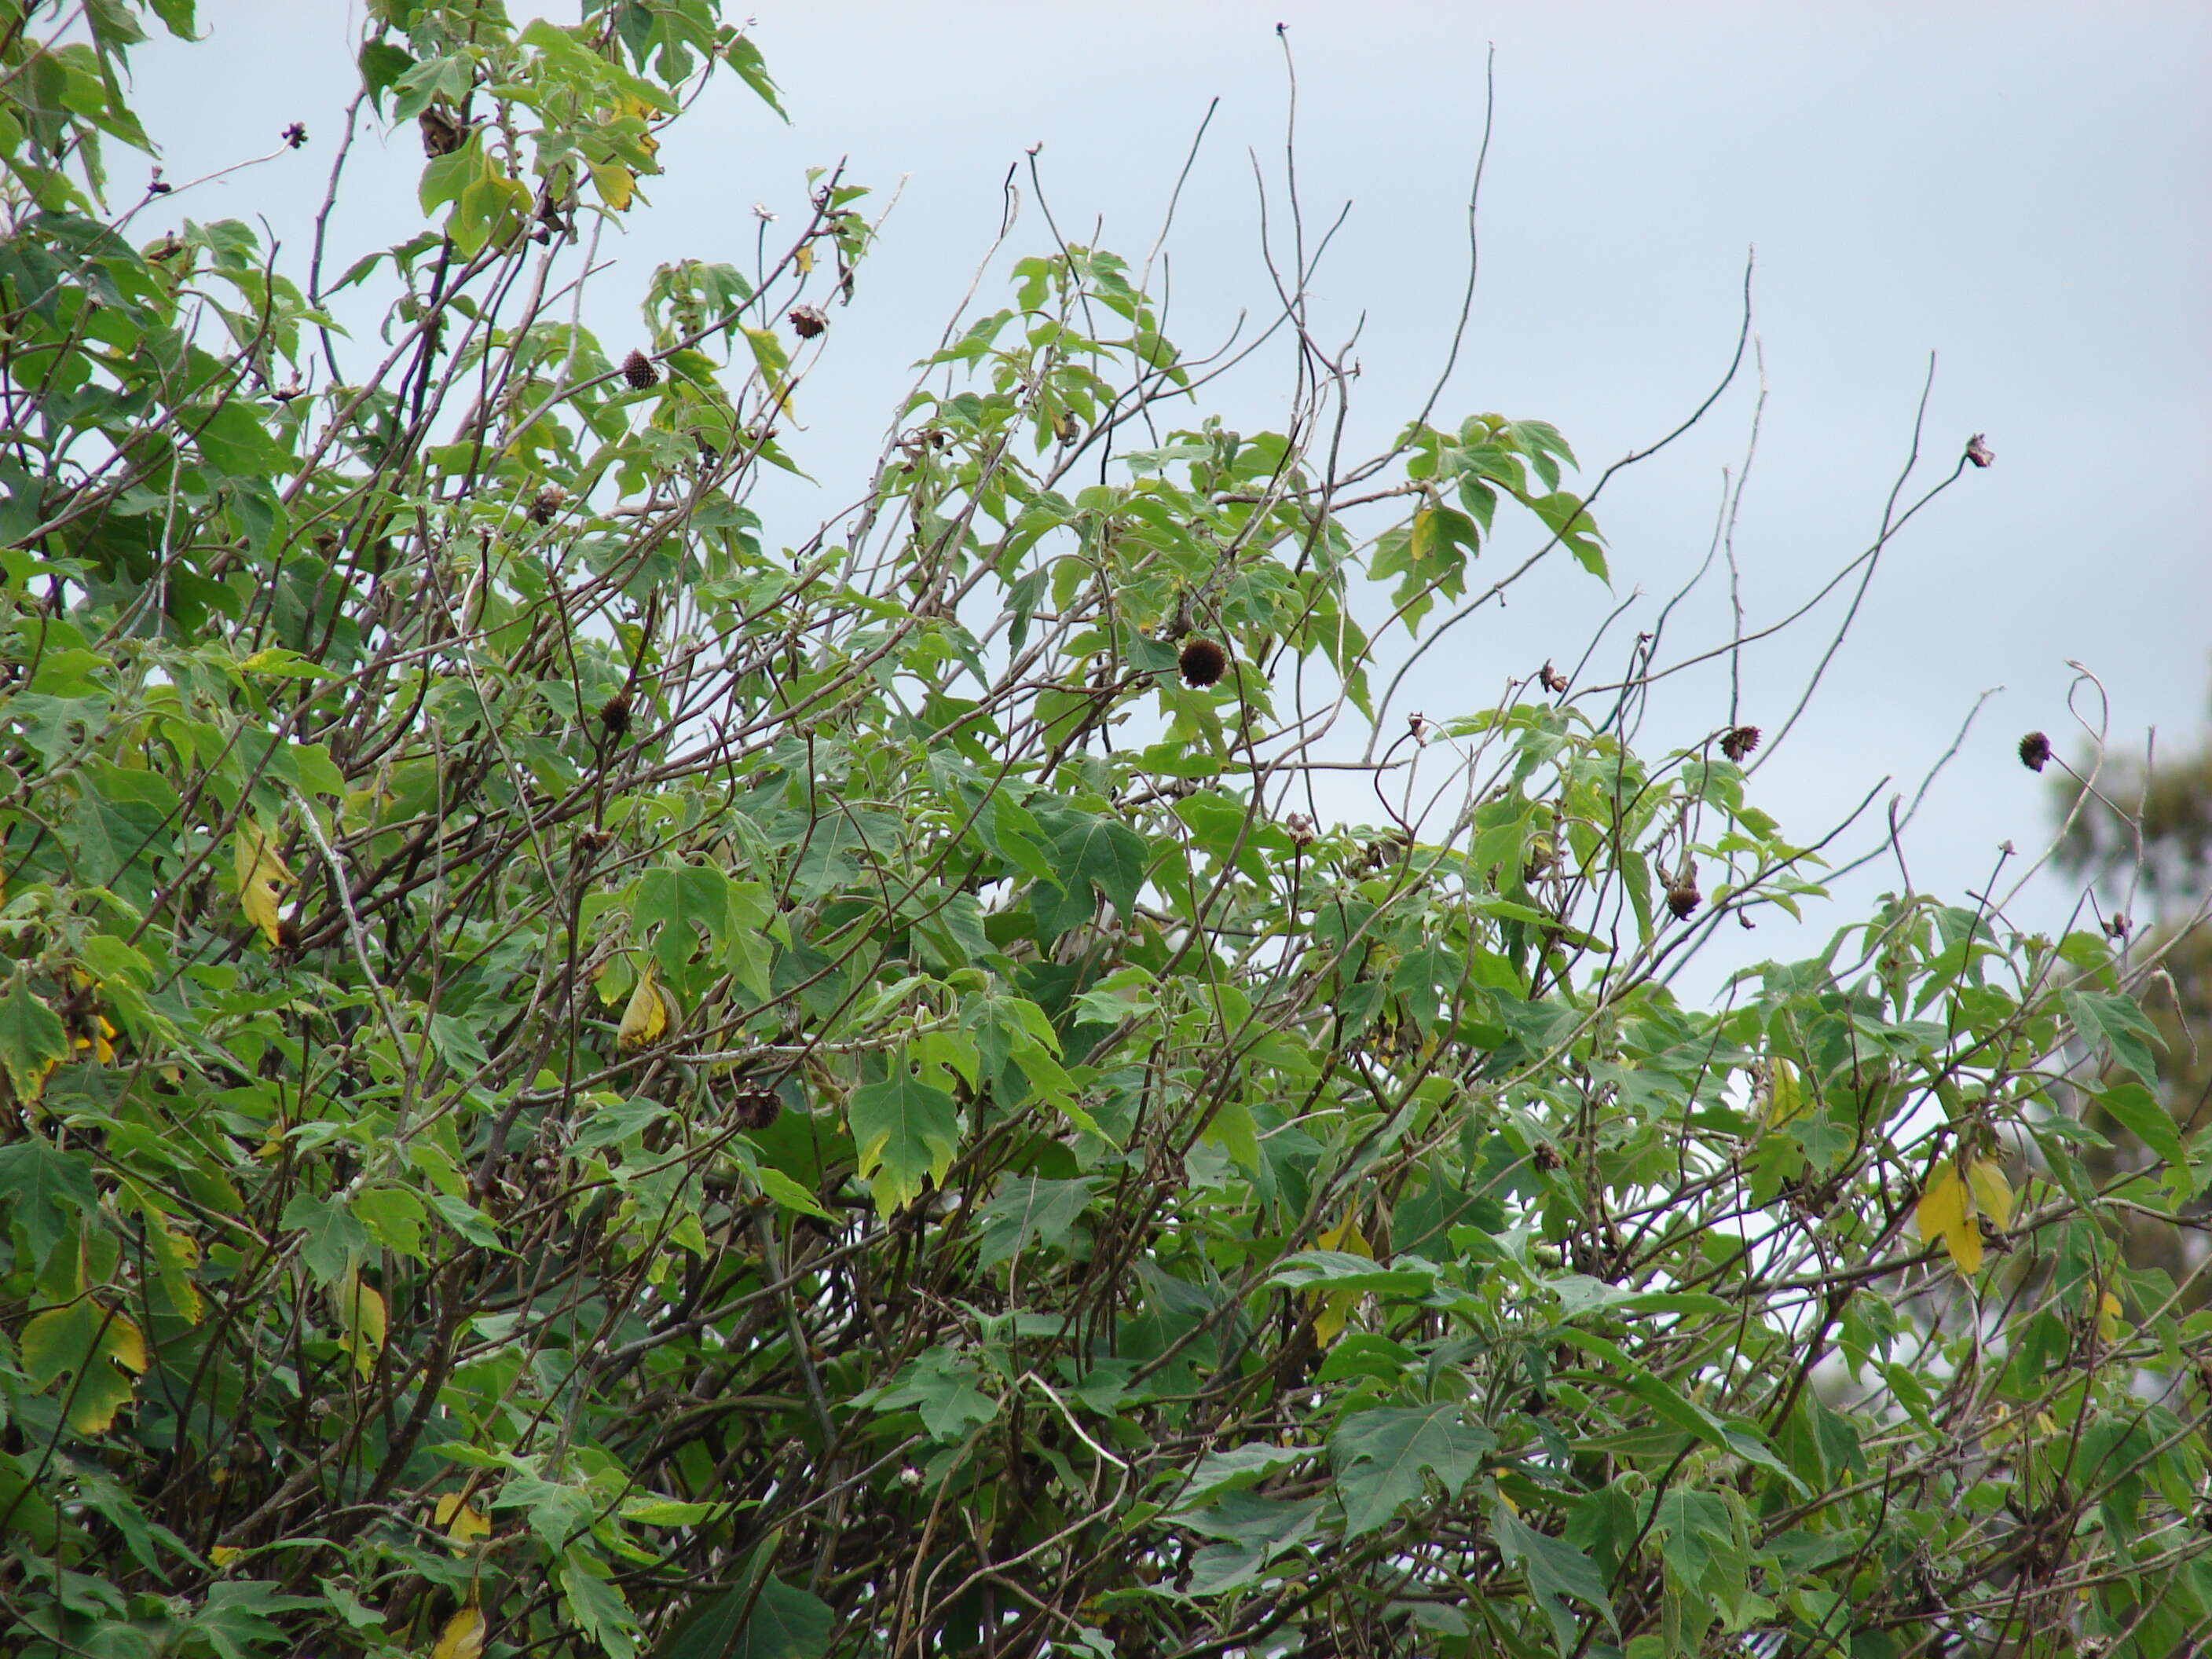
2021,189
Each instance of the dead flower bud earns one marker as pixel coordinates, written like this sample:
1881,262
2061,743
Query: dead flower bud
1554,682
1979,452
2035,751
1545,1155
807,321
295,135
1300,829
1202,662
441,134
549,500
613,714
2117,927
1421,726
755,1107
638,370
1683,897
1740,742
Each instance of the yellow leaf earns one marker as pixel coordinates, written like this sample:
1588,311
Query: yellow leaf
463,1638
646,1016
361,1321
616,184
223,1554
1945,1212
1786,1097
803,257
1332,1308
262,878
98,1349
463,1521
1992,1192
2108,1317
175,1254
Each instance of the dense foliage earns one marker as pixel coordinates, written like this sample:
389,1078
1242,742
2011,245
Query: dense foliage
580,1079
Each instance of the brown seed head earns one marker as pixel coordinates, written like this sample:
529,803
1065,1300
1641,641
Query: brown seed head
288,935
638,370
807,321
441,134
1554,682
549,500
1202,662
1545,1155
2035,751
1740,742
755,1107
1682,898
613,714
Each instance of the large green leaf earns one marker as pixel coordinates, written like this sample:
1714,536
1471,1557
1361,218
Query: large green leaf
906,1132
1383,1458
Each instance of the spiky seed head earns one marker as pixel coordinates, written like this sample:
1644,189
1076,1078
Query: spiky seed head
1740,742
1202,662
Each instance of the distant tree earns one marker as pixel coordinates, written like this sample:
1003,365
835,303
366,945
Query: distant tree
2141,836
585,1077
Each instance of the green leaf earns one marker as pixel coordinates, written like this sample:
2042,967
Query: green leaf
1382,1456
32,1040
235,1618
941,1387
789,1192
905,1132
1336,1270
2144,1115
1554,1569
2119,1023
333,1243
47,1192
1029,1209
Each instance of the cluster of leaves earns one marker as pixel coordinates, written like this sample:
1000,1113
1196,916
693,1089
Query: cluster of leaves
575,1083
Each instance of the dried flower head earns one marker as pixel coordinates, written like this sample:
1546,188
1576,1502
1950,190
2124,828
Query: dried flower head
288,935
1979,452
441,134
638,370
1202,662
1545,1155
1300,829
295,135
2035,751
1740,742
807,321
1421,726
613,714
1554,682
2117,927
549,500
1683,897
755,1107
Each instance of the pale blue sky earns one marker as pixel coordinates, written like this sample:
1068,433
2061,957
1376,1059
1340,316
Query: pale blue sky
2022,188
